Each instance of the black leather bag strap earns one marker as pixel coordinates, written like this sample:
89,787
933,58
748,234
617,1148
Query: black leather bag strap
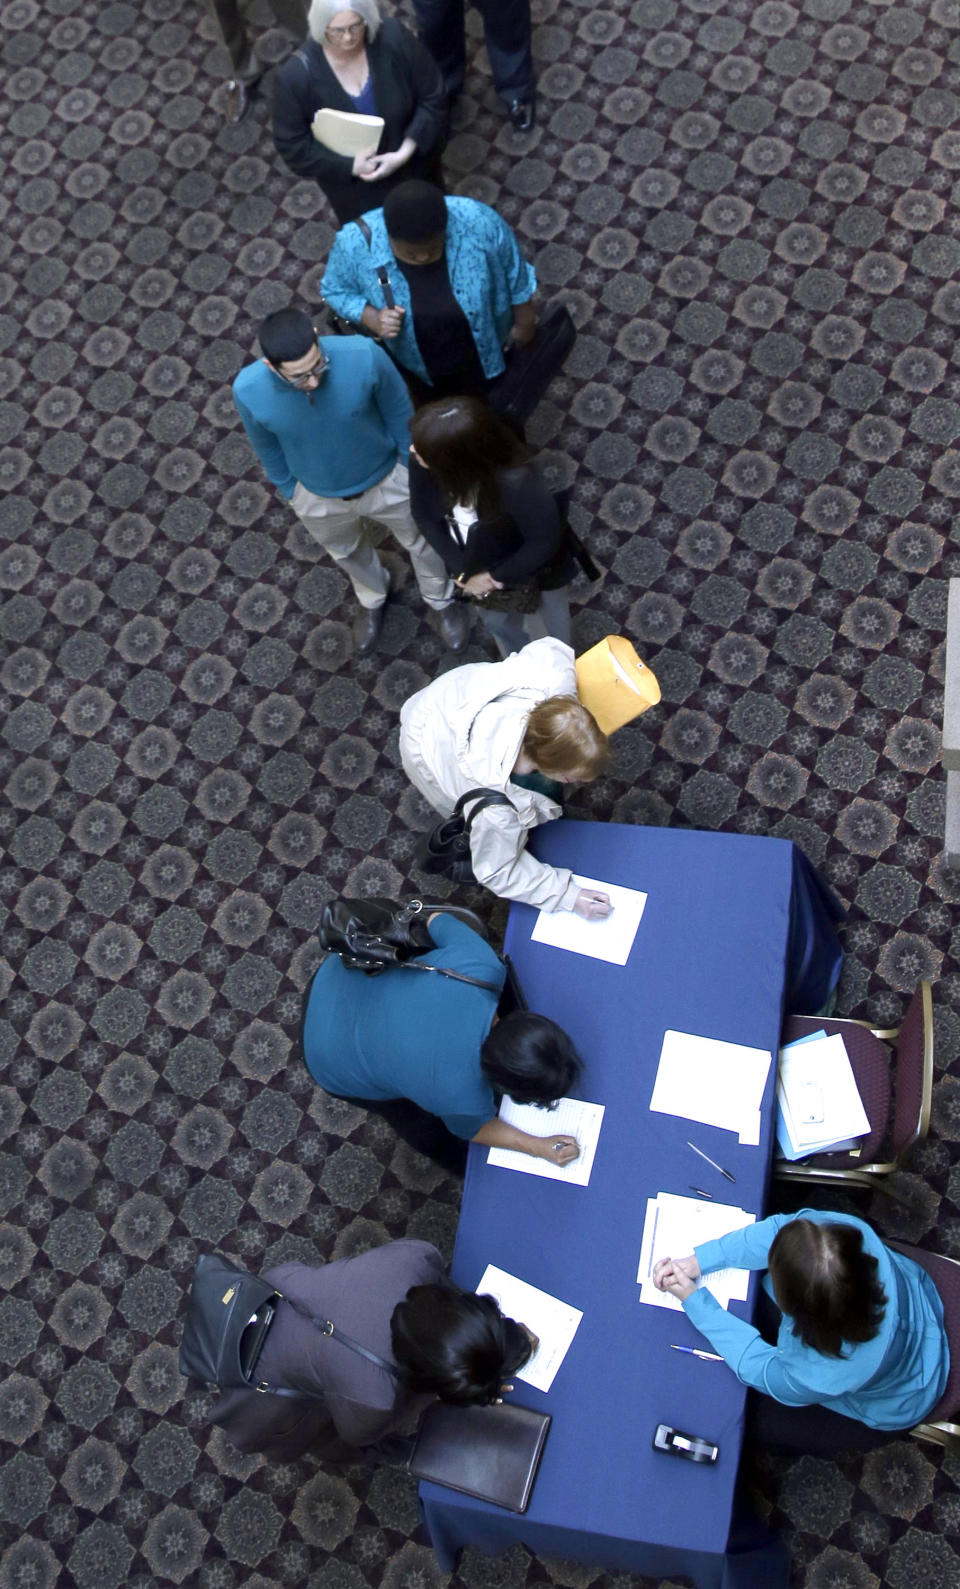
444,971
483,798
329,1329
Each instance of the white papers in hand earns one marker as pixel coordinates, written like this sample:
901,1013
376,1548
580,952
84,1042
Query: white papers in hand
820,1107
555,1323
347,132
571,1118
610,939
673,1227
719,1084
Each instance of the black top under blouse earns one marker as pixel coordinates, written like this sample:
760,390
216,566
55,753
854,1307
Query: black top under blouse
443,331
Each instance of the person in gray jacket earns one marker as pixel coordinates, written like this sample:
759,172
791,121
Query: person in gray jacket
434,1339
508,726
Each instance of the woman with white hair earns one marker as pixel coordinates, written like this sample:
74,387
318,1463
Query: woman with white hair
356,61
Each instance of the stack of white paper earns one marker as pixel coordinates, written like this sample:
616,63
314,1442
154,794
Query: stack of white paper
555,1323
719,1084
672,1228
570,1118
820,1107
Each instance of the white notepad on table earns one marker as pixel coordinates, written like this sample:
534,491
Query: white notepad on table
673,1226
610,939
571,1118
555,1323
716,1083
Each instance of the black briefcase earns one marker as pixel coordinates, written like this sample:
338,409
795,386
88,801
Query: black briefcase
492,1453
532,366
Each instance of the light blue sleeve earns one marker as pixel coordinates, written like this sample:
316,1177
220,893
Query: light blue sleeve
521,277
742,1249
744,1350
343,280
268,450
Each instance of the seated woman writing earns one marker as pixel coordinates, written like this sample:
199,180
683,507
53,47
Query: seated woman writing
862,1329
508,726
437,1042
428,1338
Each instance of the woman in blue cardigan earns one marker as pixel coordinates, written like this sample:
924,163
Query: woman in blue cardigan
862,1329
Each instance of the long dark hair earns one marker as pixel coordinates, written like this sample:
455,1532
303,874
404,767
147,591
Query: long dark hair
827,1284
464,443
530,1058
455,1344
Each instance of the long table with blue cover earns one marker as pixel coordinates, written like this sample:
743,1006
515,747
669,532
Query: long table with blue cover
736,930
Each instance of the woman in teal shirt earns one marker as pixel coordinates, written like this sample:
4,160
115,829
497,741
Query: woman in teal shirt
437,1042
862,1330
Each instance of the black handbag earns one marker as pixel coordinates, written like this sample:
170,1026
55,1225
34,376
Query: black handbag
373,935
532,366
229,1314
446,848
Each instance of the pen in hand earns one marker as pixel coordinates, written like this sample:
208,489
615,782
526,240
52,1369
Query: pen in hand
695,1351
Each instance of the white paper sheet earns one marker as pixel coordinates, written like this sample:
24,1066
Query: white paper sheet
571,1118
673,1226
553,1321
610,939
717,1083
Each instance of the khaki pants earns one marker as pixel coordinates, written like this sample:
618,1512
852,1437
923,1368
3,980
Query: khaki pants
335,525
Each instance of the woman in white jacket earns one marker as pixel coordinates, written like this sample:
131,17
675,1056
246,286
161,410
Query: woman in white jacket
485,725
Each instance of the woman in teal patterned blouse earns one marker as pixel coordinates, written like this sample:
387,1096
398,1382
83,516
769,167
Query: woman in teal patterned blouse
460,285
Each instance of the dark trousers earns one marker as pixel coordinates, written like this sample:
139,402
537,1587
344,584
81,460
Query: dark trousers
508,32
231,19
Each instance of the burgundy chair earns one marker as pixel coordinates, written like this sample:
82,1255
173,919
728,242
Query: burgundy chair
894,1133
941,1426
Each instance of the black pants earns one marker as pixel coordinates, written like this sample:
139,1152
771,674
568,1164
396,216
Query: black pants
231,18
508,33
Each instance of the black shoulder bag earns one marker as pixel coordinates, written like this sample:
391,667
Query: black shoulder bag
446,848
229,1314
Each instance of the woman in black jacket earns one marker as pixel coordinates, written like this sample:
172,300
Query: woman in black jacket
481,503
356,62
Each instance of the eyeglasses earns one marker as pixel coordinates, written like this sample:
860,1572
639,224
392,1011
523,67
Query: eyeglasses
302,381
347,32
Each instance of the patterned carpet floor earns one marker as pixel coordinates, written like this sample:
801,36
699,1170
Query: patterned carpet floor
752,211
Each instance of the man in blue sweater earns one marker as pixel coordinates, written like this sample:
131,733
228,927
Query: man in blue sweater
329,420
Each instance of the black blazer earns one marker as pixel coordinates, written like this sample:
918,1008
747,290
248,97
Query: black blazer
408,91
527,539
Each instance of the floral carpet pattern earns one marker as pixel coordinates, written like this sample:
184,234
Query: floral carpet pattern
753,210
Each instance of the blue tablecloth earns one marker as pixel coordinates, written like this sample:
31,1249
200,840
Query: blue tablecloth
730,923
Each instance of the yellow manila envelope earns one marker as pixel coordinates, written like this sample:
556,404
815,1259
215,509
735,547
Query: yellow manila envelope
614,684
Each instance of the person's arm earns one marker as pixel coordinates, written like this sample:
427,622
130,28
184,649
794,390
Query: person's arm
393,401
426,505
293,112
344,286
428,116
524,327
377,166
742,1249
502,863
744,1350
521,277
268,449
534,512
556,1150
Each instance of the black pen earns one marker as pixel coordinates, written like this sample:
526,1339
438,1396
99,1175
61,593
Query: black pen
716,1166
700,1192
